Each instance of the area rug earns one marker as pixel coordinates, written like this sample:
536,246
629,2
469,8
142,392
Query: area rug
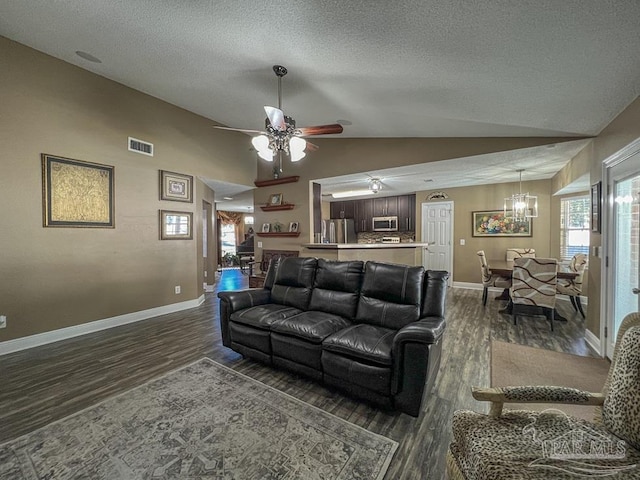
513,364
204,421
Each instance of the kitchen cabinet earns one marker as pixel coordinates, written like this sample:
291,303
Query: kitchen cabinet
343,209
406,213
385,207
364,214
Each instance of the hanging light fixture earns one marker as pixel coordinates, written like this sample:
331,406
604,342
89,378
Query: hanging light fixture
521,206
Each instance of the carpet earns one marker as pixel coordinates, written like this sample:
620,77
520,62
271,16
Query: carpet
513,364
204,421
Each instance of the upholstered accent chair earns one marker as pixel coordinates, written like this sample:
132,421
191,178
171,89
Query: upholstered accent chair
573,288
489,279
513,253
533,286
528,445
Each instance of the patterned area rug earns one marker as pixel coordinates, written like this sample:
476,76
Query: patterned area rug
204,421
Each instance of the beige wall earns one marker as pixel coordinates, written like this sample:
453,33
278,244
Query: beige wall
466,267
52,278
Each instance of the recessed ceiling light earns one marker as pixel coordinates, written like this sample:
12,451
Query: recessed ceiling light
227,198
88,56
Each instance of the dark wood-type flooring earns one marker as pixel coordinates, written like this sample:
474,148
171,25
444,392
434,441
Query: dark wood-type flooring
40,385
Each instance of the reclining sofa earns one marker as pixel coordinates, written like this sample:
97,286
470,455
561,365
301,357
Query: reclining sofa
371,329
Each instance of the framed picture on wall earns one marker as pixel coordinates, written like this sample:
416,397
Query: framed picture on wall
176,187
266,227
77,193
493,223
596,202
176,225
293,226
275,199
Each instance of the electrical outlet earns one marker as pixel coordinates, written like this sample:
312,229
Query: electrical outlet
205,274
3,321
259,244
177,289
462,241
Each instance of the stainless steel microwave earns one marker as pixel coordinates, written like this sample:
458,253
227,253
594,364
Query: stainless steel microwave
385,224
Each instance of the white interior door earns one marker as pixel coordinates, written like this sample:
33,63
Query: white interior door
623,243
437,230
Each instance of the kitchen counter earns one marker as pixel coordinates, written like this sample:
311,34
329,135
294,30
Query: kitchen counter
351,246
402,253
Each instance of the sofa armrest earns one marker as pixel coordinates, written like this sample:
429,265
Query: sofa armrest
238,300
498,396
426,330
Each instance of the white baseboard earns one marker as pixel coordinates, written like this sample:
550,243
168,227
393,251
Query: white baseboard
11,346
593,341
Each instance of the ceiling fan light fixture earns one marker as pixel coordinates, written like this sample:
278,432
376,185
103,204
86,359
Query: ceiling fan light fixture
296,148
261,144
351,193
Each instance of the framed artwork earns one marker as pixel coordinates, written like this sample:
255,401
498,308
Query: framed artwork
77,193
266,228
493,223
275,199
176,225
596,202
293,227
176,187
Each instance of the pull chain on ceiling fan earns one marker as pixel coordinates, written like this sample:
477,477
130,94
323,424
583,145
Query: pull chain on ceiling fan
281,134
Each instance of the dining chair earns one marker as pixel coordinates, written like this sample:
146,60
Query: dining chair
550,444
489,279
513,253
573,288
533,284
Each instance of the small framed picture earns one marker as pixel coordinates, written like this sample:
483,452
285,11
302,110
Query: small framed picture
293,227
275,199
266,227
176,225
176,187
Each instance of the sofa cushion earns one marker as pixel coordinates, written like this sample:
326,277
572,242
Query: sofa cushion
391,295
365,342
294,281
262,316
337,287
311,326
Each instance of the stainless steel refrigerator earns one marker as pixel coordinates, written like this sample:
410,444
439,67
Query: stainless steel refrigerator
339,230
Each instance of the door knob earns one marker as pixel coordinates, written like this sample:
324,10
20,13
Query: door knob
636,291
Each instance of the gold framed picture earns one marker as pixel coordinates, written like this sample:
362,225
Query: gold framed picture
176,187
77,193
176,225
275,199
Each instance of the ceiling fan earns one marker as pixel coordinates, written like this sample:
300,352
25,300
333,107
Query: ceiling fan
281,134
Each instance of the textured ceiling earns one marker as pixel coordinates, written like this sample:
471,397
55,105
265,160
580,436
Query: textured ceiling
421,68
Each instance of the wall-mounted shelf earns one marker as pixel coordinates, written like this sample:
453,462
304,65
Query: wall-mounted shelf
276,181
273,208
278,234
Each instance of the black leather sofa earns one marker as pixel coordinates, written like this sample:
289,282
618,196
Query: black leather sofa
371,329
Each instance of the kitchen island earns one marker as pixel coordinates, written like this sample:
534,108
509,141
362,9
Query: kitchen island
409,253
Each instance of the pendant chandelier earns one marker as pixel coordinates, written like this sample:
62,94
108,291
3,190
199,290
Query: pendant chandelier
521,206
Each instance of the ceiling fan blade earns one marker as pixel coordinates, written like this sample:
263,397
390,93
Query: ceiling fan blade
312,147
276,117
243,130
321,129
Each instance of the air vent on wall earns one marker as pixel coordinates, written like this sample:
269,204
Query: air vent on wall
139,146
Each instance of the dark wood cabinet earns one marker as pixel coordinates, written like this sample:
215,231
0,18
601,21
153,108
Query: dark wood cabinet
406,213
363,211
344,209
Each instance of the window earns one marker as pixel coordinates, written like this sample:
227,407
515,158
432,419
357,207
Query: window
228,238
574,226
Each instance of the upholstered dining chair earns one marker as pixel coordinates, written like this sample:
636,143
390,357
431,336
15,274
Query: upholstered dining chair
533,284
489,279
513,253
573,288
528,445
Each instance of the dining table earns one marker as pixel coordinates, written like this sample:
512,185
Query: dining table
504,268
